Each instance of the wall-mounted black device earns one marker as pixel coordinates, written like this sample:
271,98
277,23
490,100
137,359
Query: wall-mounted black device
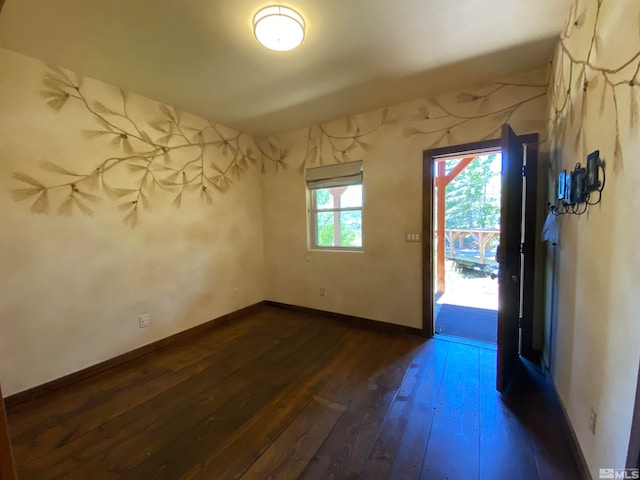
579,186
568,189
594,163
561,184
574,189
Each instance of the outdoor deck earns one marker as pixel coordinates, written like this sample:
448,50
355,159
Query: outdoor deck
473,248
479,255
468,309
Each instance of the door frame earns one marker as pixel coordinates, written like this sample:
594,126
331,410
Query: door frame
428,157
531,203
633,453
7,466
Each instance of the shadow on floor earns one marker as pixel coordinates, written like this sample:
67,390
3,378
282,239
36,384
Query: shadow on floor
533,403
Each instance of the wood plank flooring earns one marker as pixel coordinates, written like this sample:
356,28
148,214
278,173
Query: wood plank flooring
285,395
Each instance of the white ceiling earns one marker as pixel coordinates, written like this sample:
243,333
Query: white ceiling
201,56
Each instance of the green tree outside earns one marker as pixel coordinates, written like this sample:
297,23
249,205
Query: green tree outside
472,199
350,223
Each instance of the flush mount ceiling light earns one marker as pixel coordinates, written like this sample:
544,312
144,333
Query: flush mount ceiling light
278,28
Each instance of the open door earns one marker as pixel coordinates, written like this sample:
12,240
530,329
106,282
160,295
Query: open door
633,456
509,258
516,253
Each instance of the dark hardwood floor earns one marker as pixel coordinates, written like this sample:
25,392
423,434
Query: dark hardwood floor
283,394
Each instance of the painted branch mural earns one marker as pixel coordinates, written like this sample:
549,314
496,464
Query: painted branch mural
325,144
442,120
579,76
177,158
165,155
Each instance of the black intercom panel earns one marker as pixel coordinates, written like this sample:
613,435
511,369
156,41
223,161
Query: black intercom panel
579,188
568,189
561,185
574,188
592,182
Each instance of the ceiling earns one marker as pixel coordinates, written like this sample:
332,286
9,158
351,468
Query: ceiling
201,55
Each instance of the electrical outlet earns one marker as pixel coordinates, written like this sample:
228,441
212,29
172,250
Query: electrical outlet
143,320
322,292
593,418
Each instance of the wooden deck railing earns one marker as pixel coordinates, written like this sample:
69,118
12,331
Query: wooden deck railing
480,255
481,236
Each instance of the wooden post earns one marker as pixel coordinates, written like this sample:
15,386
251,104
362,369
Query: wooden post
453,235
440,253
7,467
336,193
442,180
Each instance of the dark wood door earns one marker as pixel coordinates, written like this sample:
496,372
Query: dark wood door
509,258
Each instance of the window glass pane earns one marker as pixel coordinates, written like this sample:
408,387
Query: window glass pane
324,229
351,228
323,198
338,197
347,232
352,197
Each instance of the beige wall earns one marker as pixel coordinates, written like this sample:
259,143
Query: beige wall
74,285
384,282
596,277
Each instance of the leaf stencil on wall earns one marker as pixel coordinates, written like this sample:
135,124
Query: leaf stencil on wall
165,157
339,142
578,73
442,121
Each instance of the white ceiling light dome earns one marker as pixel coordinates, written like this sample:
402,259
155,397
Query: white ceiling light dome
279,28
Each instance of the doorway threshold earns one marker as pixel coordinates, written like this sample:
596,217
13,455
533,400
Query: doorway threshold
465,341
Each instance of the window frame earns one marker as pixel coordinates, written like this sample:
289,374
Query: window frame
313,223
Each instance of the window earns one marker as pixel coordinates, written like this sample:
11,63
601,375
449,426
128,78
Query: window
335,214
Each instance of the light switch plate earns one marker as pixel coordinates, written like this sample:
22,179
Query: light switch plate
412,237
